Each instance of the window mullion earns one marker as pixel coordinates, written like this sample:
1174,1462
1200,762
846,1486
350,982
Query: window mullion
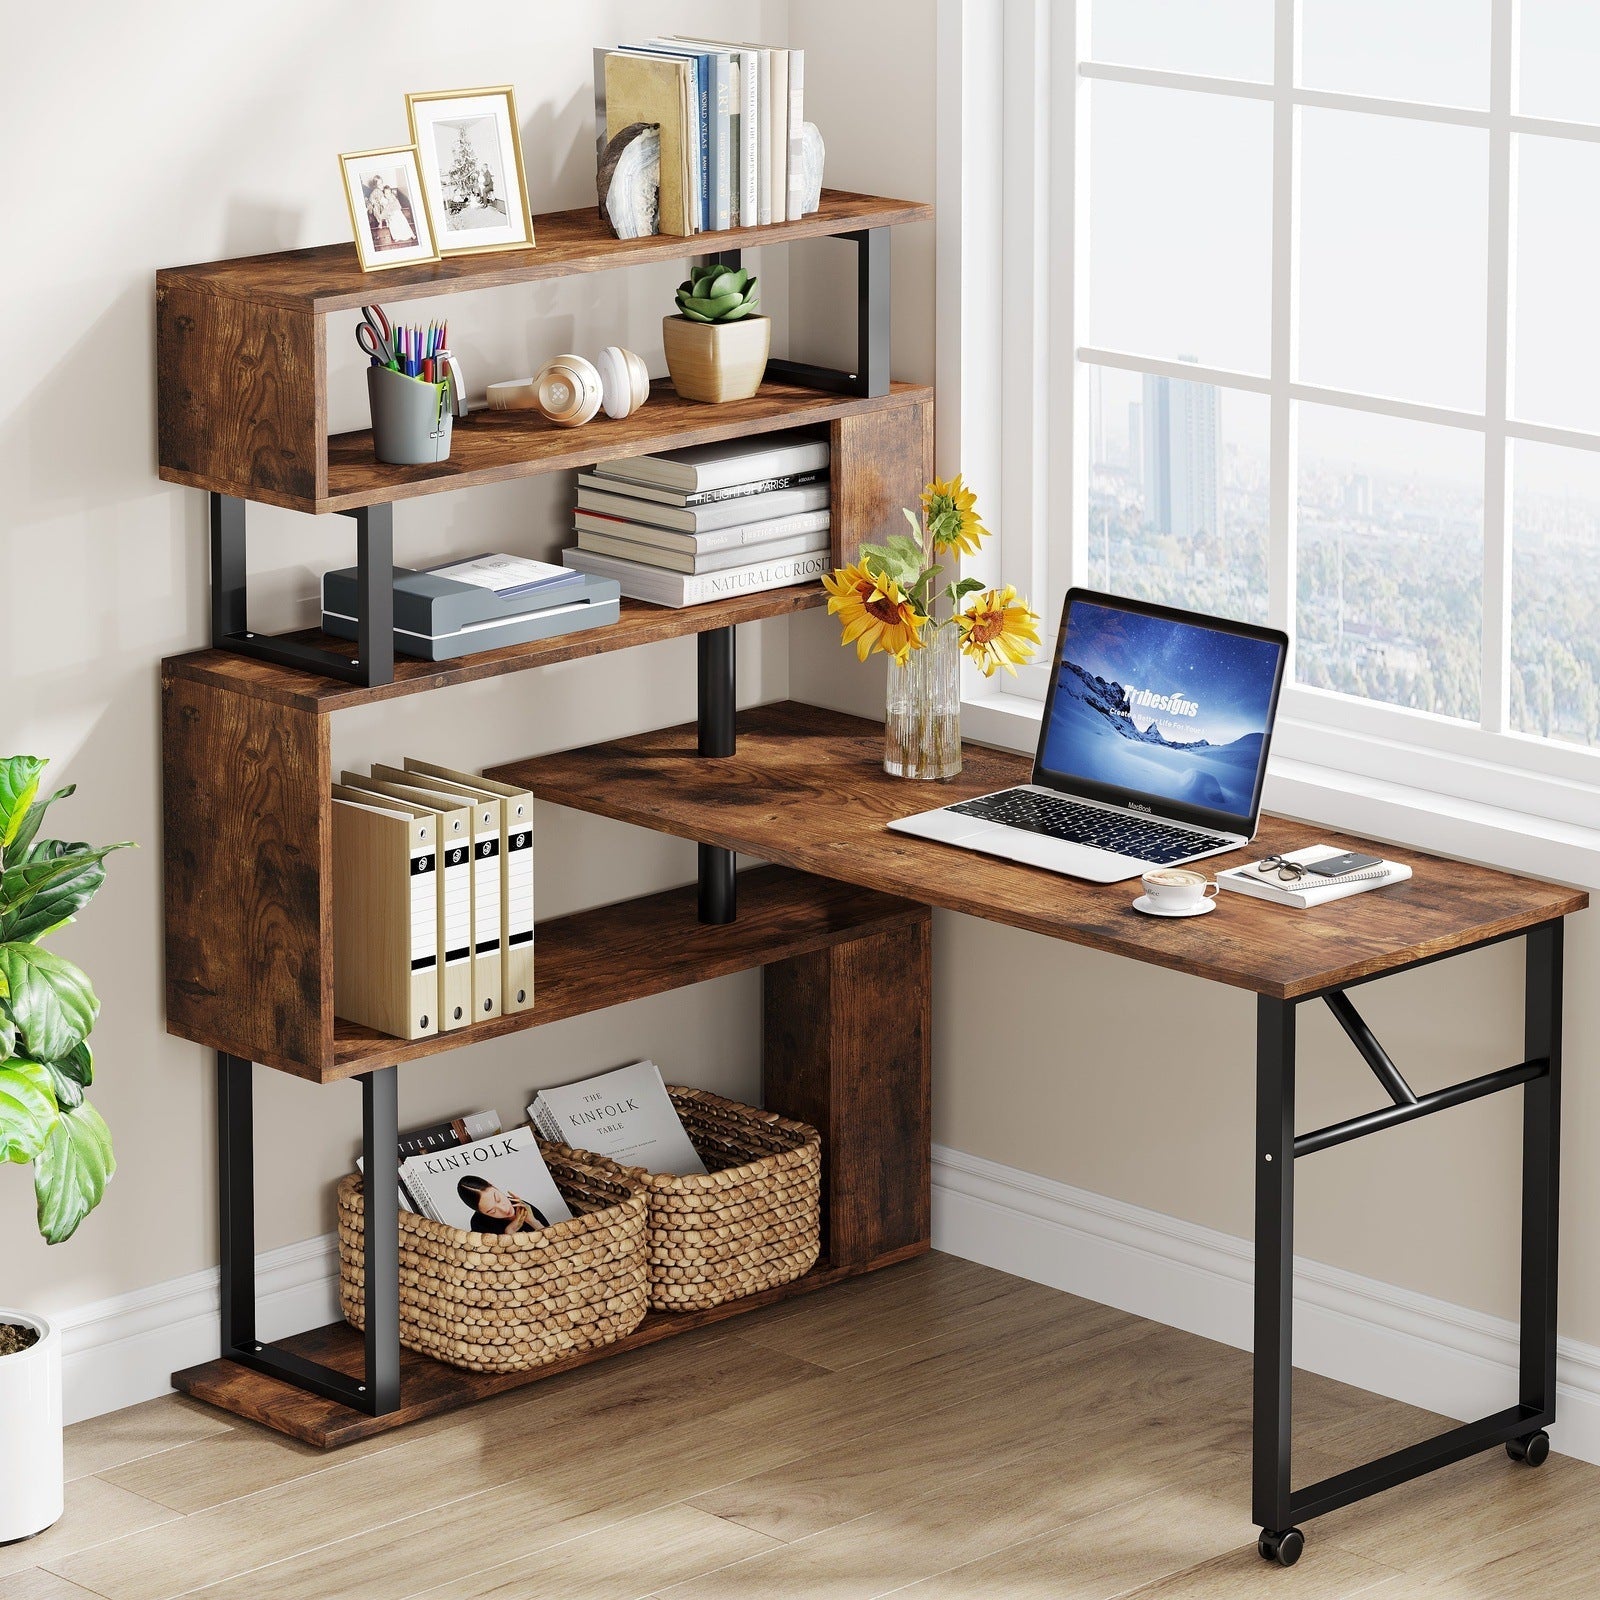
1496,667
1283,454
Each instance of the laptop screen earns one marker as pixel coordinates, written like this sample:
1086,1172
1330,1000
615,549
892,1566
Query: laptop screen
1161,710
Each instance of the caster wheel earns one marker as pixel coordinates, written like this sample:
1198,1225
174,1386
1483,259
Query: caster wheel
1285,1548
1535,1449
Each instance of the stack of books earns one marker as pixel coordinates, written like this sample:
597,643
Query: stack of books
684,527
730,118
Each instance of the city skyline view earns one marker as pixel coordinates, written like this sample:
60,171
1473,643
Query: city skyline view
1389,603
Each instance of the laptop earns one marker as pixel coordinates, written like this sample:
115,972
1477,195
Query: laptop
1151,753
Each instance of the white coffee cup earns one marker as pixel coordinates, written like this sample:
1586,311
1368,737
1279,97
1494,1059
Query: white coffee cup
1177,888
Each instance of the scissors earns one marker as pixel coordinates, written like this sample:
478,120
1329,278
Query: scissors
375,336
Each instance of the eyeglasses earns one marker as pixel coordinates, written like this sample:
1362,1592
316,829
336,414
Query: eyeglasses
1288,871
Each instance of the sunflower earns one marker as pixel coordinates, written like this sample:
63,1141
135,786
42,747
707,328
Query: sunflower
950,508
874,613
997,629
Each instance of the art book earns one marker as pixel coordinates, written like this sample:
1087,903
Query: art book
494,1185
626,1115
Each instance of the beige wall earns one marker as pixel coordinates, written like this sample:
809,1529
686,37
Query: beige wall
1136,1083
182,132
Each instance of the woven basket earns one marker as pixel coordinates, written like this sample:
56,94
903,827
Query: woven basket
750,1222
504,1303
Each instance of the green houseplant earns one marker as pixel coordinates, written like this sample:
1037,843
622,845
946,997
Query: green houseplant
716,346
47,1007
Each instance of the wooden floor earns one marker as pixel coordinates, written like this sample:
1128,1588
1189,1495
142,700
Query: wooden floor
939,1431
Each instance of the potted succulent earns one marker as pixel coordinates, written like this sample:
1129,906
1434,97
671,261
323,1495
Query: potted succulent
716,346
47,1009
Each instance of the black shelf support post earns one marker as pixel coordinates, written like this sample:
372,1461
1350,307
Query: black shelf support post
871,376
373,665
377,1392
717,738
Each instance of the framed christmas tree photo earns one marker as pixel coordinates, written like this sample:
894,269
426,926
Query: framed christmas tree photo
470,152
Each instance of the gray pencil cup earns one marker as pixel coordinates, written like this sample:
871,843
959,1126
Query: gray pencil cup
410,418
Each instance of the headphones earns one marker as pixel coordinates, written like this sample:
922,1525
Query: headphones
569,390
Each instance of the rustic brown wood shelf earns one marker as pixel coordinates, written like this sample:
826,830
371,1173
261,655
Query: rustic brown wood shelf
492,446
242,366
602,957
639,623
329,277
429,1387
806,788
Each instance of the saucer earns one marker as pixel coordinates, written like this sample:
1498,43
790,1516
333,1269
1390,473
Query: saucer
1145,904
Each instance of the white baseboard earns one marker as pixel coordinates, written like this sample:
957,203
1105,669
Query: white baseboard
1389,1340
118,1352
1379,1337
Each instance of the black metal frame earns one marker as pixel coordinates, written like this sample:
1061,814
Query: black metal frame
871,376
378,1391
1277,1506
373,664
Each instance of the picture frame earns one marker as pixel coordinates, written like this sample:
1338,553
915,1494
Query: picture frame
388,209
469,151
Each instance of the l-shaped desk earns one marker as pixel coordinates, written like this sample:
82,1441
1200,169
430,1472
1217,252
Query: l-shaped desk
804,788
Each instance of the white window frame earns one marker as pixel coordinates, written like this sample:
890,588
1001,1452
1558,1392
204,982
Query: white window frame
1012,196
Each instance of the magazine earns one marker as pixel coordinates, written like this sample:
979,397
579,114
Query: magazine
438,1136
494,1185
626,1115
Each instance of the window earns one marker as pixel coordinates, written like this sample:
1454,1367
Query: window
1299,325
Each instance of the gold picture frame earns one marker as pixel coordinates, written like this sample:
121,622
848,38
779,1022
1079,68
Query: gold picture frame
461,136
392,202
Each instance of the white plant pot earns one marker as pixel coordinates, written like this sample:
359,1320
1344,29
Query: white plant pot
32,1475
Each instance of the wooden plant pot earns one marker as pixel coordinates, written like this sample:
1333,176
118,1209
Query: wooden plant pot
716,361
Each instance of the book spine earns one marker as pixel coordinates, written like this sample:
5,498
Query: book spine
702,79
722,158
742,491
647,533
749,138
778,155
764,137
736,138
797,177
752,579
614,484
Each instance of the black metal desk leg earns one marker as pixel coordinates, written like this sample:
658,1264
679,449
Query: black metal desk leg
380,1137
717,685
1274,1287
1541,1187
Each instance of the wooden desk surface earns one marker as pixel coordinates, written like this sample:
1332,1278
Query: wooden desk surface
807,789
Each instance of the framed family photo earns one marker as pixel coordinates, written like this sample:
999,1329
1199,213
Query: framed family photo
470,154
387,210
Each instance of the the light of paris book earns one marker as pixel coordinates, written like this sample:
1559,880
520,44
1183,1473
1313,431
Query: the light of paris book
626,1115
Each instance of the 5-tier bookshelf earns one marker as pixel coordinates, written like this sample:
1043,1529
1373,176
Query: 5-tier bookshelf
247,770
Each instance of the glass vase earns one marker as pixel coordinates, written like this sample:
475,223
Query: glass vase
922,720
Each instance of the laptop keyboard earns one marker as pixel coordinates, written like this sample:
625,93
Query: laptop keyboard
1116,831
